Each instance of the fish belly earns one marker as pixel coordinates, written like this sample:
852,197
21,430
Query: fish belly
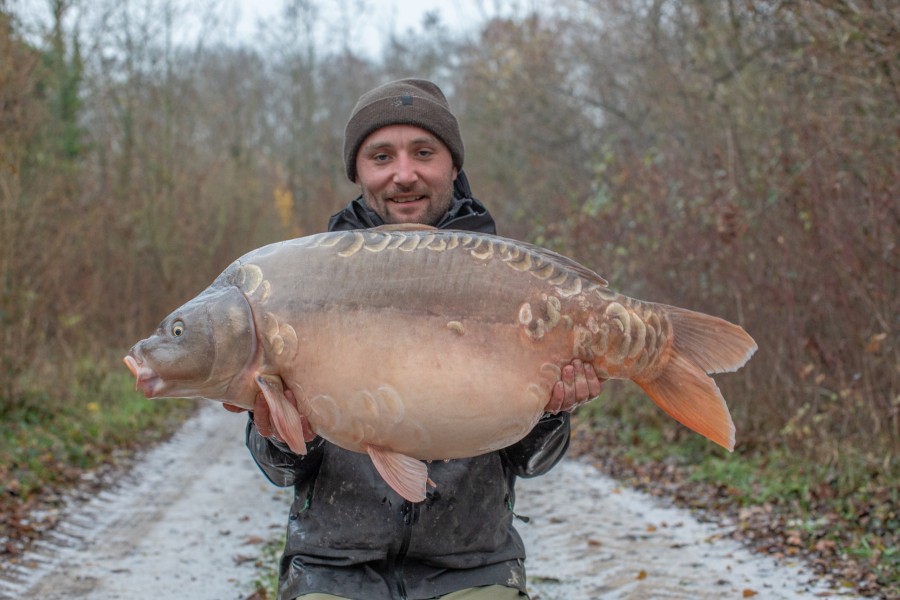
425,386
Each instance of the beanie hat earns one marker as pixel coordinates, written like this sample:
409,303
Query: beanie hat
405,102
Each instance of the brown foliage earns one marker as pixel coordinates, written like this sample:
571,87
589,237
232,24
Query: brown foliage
768,193
739,158
39,291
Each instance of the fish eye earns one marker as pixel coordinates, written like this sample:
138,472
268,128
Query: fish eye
178,328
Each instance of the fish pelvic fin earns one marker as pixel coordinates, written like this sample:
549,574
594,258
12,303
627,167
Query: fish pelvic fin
406,475
701,345
285,415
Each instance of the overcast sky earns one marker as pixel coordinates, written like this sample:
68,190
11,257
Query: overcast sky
385,17
380,18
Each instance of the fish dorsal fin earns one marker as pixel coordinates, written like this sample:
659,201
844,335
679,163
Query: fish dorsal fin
554,257
406,475
404,227
548,255
284,415
568,263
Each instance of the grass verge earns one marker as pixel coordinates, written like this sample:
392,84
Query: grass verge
835,507
49,438
267,567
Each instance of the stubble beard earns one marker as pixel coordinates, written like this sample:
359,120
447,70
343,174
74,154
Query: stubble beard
440,200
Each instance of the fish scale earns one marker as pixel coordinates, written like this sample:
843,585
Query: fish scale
455,341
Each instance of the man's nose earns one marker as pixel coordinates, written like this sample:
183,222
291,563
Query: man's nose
405,172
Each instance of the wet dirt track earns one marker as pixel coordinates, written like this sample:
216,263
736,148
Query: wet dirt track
189,519
186,522
589,538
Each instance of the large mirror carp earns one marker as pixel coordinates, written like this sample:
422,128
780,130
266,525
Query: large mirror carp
413,344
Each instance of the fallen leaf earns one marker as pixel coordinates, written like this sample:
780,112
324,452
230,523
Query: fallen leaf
259,594
826,547
748,593
642,574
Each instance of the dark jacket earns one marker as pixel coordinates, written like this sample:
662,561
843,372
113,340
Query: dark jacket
351,535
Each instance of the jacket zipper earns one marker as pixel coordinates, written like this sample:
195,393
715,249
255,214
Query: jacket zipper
410,514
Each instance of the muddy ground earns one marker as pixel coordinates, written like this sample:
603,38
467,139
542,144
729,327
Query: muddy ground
190,518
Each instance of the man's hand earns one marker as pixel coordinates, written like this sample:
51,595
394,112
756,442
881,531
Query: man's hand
577,384
262,418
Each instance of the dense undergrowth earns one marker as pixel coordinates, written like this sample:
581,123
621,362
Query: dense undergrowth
839,509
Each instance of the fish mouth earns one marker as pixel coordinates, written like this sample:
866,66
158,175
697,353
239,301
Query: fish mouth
146,378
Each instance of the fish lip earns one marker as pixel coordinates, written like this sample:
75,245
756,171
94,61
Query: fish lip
146,378
132,364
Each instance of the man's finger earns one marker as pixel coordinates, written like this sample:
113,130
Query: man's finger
582,390
557,397
594,383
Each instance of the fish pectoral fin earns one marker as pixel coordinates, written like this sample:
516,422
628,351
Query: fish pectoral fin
406,475
285,415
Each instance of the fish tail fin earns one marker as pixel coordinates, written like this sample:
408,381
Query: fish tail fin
701,344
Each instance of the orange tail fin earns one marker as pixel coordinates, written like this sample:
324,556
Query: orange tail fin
701,344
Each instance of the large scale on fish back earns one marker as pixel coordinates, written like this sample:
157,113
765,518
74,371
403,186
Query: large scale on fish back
410,343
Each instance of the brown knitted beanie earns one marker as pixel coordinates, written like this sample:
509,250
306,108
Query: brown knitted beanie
405,102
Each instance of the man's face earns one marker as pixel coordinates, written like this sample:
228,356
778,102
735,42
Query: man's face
406,174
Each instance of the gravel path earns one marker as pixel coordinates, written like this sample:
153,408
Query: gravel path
189,519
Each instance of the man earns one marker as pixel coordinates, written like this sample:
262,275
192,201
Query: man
349,534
